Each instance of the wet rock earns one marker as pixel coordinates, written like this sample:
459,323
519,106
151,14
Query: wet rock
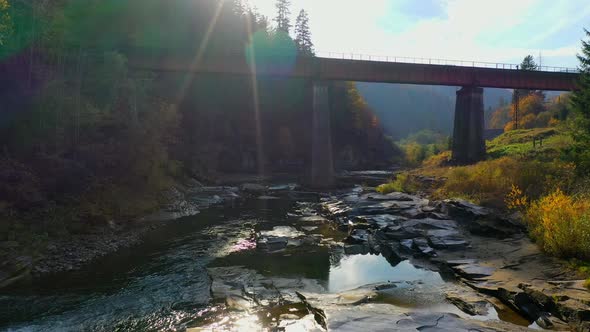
421,245
468,301
357,236
236,302
381,220
253,188
268,198
284,187
399,233
446,239
473,271
357,249
272,243
463,210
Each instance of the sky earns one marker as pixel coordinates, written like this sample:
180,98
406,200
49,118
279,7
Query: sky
480,30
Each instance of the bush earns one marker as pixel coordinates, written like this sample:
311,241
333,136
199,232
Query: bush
402,183
489,182
560,223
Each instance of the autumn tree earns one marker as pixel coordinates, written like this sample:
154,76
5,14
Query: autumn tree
303,34
283,13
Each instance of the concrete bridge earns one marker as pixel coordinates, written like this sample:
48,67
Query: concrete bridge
468,133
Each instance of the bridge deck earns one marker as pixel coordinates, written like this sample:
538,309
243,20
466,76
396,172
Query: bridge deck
330,69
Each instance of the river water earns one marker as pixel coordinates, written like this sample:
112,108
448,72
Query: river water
163,283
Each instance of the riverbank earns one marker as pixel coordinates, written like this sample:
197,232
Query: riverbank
71,252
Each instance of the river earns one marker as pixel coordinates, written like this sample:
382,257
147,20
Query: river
163,283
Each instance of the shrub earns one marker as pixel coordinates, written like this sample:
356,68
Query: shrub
402,183
560,223
490,182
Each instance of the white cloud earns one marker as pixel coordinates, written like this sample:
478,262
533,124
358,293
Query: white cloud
470,30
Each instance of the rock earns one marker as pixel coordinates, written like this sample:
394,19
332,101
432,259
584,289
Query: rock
463,210
284,187
473,271
446,239
272,243
267,198
421,245
357,236
253,188
236,302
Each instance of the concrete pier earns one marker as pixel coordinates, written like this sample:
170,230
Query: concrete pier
322,164
468,133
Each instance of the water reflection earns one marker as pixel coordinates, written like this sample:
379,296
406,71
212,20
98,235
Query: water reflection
358,270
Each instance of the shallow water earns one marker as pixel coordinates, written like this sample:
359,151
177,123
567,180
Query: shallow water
163,283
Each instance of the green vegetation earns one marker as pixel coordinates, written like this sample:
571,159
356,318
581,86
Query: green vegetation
403,183
423,145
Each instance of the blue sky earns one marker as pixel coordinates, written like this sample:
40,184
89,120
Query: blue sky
491,30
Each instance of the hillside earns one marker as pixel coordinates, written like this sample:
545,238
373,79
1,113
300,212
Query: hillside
405,109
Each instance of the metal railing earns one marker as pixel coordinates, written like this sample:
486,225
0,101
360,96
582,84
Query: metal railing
433,61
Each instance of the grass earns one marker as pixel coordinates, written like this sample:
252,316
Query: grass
403,182
519,143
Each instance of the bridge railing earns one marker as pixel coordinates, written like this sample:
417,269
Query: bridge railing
434,61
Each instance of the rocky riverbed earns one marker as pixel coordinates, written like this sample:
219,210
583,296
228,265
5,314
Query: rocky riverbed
279,258
495,278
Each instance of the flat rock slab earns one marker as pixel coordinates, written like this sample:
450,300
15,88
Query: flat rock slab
474,271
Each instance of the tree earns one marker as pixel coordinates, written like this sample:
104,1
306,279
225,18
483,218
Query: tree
527,64
303,34
5,21
581,107
283,13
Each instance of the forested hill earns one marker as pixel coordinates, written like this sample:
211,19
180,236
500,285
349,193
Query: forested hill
82,131
405,109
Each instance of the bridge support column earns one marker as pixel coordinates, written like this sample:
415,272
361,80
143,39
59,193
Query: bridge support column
468,140
322,164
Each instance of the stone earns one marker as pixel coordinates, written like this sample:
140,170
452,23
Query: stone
446,239
421,245
253,187
357,236
473,271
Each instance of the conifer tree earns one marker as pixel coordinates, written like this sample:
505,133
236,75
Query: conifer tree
581,107
303,34
283,13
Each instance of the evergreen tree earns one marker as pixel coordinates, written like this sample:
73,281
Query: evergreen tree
303,34
581,107
283,13
527,64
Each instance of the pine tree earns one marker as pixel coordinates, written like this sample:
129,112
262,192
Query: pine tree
283,13
528,63
303,34
581,108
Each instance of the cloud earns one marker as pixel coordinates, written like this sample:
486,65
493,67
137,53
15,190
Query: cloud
481,30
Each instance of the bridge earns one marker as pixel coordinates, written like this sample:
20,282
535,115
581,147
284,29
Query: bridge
472,77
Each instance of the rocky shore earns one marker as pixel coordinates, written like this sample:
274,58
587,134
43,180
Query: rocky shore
75,251
497,279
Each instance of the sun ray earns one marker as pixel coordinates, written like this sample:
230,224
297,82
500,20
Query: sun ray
256,99
200,52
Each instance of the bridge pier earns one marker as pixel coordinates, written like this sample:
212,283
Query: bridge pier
322,164
468,140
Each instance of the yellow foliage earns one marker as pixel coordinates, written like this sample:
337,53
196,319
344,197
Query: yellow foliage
403,183
516,200
561,224
553,122
491,181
